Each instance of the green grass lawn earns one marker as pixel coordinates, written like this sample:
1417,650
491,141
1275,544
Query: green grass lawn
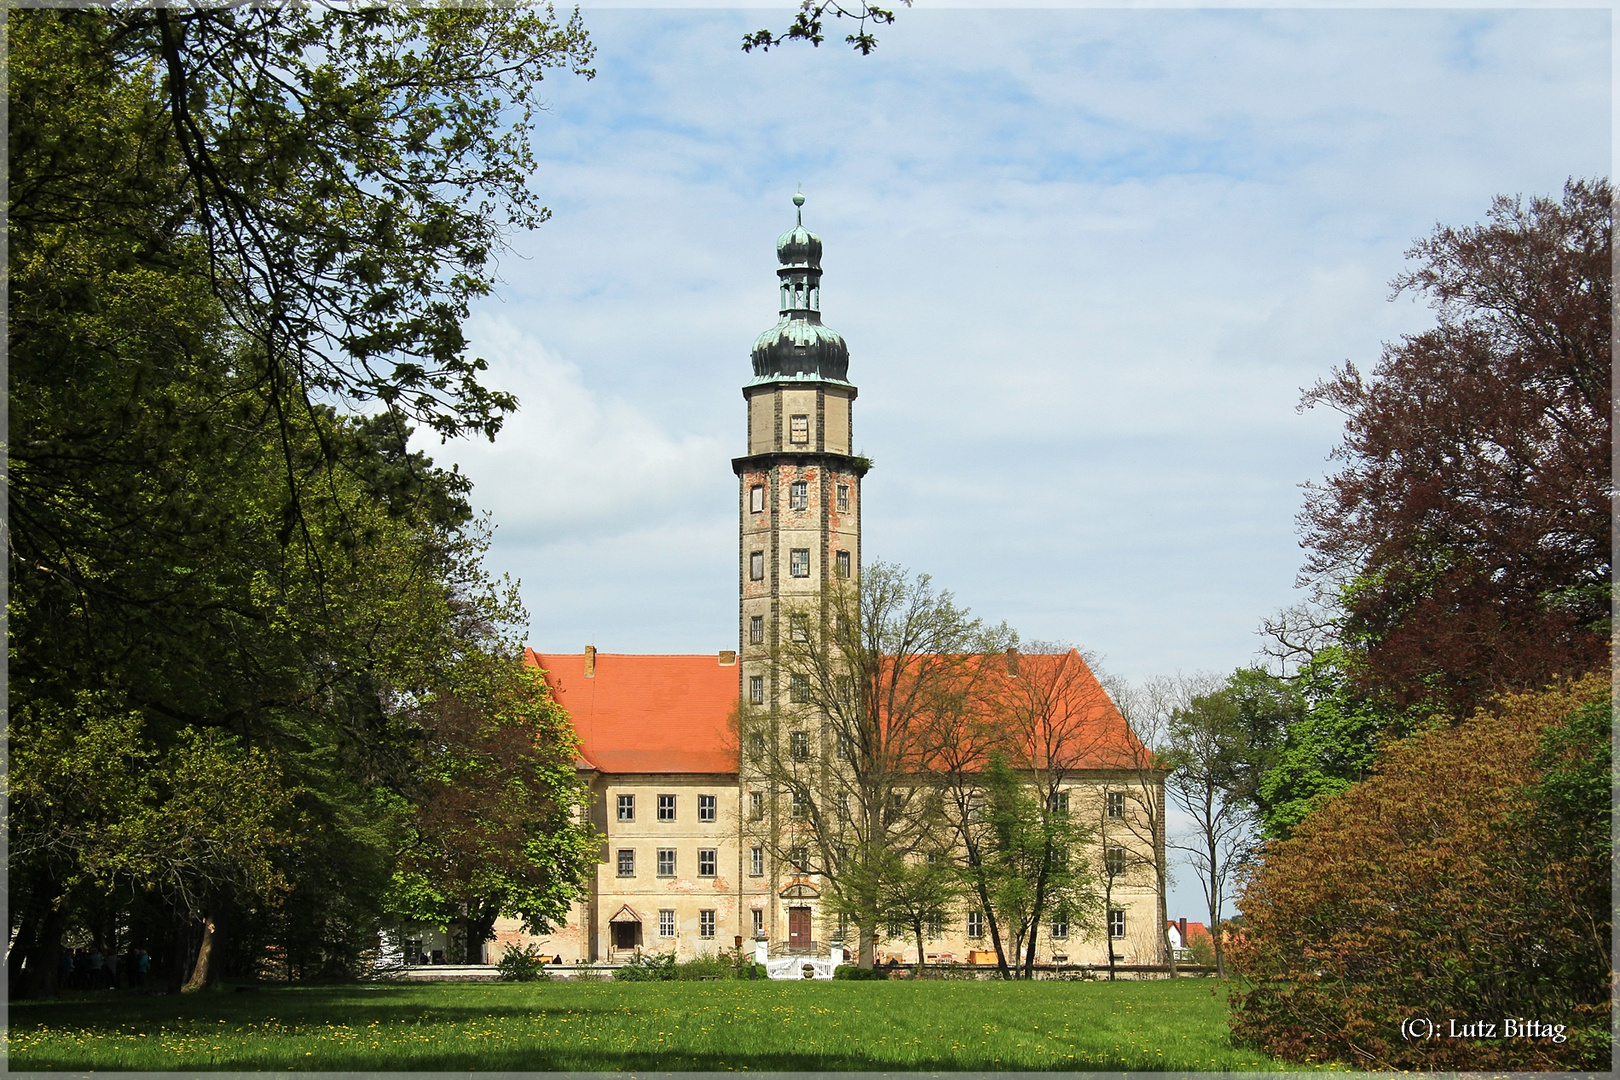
800,1026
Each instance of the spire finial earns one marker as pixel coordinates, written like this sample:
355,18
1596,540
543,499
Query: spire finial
798,200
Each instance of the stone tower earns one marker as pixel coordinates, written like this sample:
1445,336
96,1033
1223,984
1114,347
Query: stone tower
800,483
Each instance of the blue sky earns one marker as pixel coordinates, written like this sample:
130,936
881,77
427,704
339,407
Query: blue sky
1085,261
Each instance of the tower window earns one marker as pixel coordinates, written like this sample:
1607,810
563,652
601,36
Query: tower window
798,563
756,741
759,919
843,498
799,746
756,864
801,628
756,689
801,806
756,499
841,563
756,566
756,807
799,495
799,430
756,630
799,689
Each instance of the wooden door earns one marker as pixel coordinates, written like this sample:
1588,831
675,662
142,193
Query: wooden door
799,928
625,935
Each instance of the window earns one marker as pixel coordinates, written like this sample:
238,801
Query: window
799,429
756,630
627,808
756,696
799,857
1060,802
756,807
666,808
707,805
799,745
799,690
666,923
706,861
627,862
756,566
1060,929
799,562
935,928
846,748
756,499
759,920
1116,923
801,806
756,866
799,495
1114,861
706,924
975,924
756,745
800,628
1116,804
894,930
666,862
843,498
841,564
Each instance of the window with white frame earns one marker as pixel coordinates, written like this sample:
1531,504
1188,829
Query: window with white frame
708,806
756,630
756,806
841,564
706,861
666,808
935,928
1116,923
800,858
799,745
843,498
756,696
756,499
756,566
1060,802
756,746
1060,929
666,922
627,808
801,806
627,862
1116,804
666,862
756,862
799,495
799,429
705,924
799,562
759,922
1114,861
975,924
799,688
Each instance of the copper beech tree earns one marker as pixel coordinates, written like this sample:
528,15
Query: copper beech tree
1465,541
1466,881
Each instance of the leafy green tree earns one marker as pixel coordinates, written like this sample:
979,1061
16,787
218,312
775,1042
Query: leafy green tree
1464,879
921,894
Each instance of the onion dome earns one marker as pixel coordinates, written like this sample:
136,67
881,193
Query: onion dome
799,346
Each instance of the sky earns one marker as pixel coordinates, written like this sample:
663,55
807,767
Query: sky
1085,260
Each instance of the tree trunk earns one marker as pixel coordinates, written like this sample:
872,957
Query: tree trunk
864,957
918,926
210,963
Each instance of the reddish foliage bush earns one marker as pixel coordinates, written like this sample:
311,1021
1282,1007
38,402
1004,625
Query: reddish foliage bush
1443,890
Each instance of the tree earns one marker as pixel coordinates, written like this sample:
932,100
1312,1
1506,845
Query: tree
808,26
1212,761
920,895
498,826
1139,768
1466,879
869,674
1464,545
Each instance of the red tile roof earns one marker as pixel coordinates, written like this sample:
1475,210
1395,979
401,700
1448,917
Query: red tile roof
647,714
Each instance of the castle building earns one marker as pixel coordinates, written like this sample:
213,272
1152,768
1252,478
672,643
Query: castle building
681,868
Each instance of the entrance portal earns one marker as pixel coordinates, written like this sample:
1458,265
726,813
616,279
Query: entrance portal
799,928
